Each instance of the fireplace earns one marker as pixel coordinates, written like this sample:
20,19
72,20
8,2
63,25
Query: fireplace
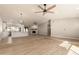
34,29
34,32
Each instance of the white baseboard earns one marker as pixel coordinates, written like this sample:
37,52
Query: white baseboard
62,36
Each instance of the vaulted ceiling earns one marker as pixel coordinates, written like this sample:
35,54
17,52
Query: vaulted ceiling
12,12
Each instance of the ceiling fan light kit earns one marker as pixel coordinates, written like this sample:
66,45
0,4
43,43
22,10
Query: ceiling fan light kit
45,10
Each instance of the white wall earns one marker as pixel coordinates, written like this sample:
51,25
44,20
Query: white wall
65,27
43,28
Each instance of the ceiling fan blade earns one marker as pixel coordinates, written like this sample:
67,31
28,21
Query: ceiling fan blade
40,7
39,12
50,11
51,7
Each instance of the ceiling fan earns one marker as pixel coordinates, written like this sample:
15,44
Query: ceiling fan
45,9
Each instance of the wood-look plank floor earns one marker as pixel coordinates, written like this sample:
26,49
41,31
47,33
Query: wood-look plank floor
35,45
